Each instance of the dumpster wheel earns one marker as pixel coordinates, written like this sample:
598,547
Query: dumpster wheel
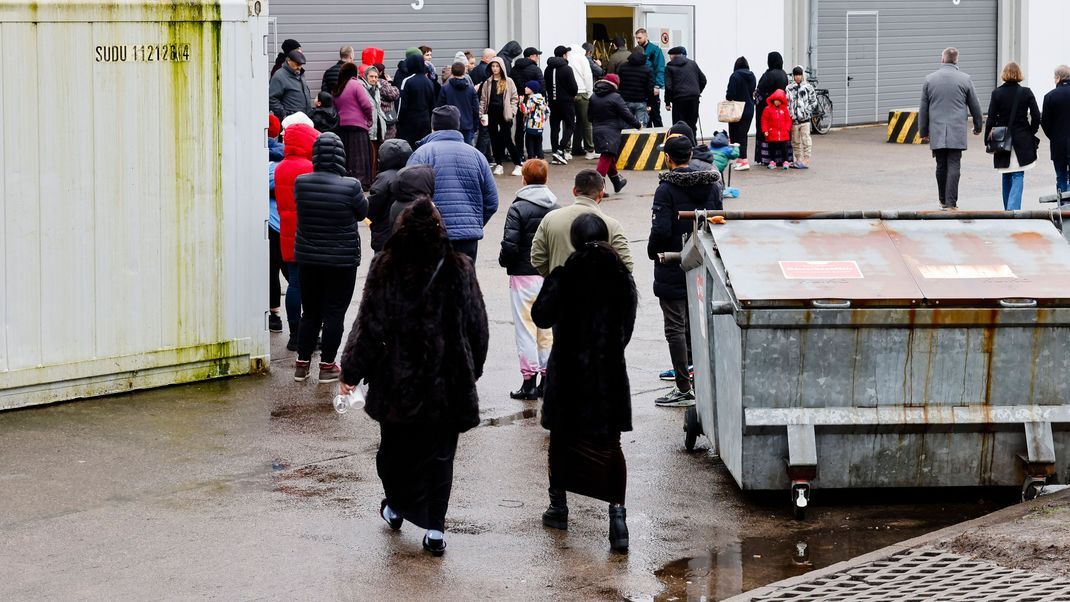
1032,487
692,428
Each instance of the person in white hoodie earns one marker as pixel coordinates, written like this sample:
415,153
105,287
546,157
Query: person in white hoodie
583,141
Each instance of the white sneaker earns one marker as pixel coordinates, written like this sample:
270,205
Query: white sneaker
592,156
558,159
742,166
498,170
568,157
517,170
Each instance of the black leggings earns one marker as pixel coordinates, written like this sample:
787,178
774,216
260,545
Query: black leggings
738,131
534,144
275,267
326,292
501,139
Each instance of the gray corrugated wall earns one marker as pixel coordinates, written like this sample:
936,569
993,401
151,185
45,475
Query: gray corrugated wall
324,26
912,34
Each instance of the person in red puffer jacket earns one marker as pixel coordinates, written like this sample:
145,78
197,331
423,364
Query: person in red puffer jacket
297,141
776,126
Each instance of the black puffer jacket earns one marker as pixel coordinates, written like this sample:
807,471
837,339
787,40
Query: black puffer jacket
681,189
636,78
521,222
393,155
609,115
524,71
560,80
329,207
683,79
330,77
590,303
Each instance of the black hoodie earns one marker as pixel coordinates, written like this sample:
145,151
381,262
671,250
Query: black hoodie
509,54
417,100
683,79
329,207
560,80
636,78
524,71
681,189
393,154
773,79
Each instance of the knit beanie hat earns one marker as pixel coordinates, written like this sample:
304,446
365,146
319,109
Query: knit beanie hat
534,86
298,117
446,117
274,127
614,79
412,51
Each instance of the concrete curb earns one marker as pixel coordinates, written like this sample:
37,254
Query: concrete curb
1000,516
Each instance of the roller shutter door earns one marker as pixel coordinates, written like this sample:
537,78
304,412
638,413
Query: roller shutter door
887,47
324,26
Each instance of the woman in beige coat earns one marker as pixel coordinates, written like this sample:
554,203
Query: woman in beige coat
497,107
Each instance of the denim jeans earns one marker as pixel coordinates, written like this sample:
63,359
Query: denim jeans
1062,175
639,110
293,297
469,136
1012,190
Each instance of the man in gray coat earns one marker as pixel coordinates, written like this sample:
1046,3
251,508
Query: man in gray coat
945,98
288,92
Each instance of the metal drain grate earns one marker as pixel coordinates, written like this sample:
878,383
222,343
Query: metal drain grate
928,575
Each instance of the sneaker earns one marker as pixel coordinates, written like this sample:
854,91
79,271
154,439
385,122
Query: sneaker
274,322
802,165
592,156
668,375
517,170
772,165
329,373
301,371
786,165
558,159
568,157
676,399
499,170
742,165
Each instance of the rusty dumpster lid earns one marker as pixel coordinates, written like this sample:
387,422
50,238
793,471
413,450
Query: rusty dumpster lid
894,262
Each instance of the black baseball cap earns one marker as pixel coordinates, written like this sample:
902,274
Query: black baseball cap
530,50
562,50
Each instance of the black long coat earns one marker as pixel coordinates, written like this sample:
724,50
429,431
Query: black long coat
1024,124
1056,120
590,302
609,115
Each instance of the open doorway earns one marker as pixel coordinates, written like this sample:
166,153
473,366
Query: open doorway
607,22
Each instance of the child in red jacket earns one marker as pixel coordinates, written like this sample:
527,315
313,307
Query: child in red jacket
776,125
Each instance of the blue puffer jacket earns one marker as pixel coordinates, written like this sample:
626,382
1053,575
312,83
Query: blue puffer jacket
465,192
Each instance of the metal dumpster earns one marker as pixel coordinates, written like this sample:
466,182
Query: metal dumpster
882,349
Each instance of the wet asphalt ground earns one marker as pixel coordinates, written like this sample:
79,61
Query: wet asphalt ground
253,488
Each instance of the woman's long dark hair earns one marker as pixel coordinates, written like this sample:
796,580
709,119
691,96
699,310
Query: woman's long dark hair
347,72
420,234
741,63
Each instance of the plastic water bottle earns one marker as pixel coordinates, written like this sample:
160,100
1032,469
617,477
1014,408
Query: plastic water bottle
353,401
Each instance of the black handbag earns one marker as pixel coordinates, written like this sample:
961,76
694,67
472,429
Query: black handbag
1000,139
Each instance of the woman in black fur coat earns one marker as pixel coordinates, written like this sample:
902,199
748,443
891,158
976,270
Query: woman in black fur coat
590,302
420,341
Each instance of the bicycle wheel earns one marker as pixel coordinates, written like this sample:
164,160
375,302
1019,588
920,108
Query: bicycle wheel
822,120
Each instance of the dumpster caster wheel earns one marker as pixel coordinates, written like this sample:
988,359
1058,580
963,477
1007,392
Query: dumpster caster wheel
800,499
692,429
1031,488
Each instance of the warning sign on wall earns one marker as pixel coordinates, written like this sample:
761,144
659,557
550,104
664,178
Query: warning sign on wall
820,270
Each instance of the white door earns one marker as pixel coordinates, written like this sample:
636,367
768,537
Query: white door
863,43
670,26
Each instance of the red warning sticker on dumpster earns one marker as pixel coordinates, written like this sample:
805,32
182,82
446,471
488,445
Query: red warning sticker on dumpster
820,270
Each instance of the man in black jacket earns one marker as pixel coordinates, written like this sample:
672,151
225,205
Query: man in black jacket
636,82
1055,118
681,189
684,83
330,76
482,70
327,248
561,90
525,69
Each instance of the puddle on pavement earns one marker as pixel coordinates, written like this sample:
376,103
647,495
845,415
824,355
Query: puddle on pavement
831,535
510,418
312,481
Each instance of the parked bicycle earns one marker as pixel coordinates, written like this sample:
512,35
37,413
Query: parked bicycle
822,118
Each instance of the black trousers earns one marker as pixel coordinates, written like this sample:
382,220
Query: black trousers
948,163
655,110
562,113
686,110
534,146
738,131
483,143
501,140
466,247
275,267
520,137
326,292
678,335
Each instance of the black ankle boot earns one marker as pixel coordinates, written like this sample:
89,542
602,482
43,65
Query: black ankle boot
527,391
541,389
556,516
618,529
618,183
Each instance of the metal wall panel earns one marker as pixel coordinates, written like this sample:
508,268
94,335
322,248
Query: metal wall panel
447,26
911,34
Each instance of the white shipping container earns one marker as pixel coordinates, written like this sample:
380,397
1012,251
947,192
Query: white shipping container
133,197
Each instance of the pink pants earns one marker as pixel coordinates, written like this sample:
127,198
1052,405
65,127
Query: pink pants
532,343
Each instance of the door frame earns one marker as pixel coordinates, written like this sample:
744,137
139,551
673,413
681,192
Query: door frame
876,64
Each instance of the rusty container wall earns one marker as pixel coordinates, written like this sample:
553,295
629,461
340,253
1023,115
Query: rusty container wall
901,392
134,196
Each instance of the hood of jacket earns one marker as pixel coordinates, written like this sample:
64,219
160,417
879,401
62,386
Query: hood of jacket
538,194
604,88
393,154
636,58
556,62
441,136
719,140
778,95
511,50
678,60
681,127
414,64
459,83
329,154
413,181
686,178
298,140
523,63
775,60
275,150
501,63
